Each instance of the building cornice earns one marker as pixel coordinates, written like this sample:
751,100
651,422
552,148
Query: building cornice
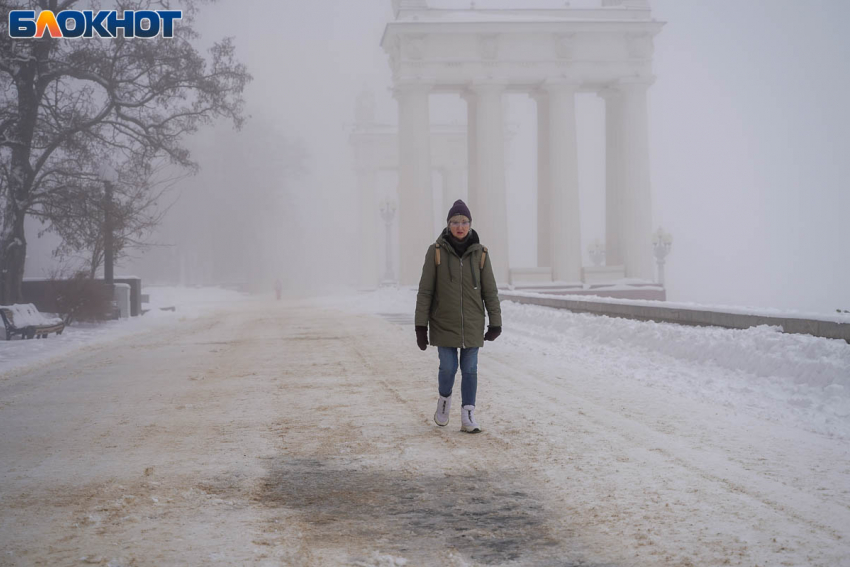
394,28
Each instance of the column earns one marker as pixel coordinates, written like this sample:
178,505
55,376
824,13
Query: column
415,210
367,180
472,148
489,209
613,176
637,189
453,188
544,189
563,171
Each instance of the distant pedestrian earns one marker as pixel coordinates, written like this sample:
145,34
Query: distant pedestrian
457,284
278,288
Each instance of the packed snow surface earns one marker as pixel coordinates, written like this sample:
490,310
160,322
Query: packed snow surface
248,431
761,371
796,379
188,303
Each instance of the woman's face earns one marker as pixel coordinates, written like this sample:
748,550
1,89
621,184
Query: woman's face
459,226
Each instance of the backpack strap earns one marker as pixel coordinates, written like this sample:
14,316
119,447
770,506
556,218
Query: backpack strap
483,257
437,254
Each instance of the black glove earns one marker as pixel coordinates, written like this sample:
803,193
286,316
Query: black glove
422,337
492,333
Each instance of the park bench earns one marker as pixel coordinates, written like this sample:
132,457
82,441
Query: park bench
25,320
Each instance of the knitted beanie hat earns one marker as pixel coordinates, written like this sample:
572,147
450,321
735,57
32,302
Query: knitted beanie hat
459,208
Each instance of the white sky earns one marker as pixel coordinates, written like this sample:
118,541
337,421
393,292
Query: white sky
749,125
749,144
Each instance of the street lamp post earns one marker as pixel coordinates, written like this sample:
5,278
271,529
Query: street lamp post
661,244
388,209
109,176
108,255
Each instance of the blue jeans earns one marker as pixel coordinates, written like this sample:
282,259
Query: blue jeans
468,372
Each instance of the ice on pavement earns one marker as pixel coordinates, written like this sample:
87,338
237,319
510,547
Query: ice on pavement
799,380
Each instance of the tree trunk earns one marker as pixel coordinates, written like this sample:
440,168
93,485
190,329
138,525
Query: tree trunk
13,243
13,253
93,265
96,260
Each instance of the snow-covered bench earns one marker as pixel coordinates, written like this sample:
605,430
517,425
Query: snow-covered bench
25,320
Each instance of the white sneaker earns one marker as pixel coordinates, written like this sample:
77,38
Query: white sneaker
467,420
441,416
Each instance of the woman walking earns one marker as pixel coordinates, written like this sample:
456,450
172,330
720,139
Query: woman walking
457,284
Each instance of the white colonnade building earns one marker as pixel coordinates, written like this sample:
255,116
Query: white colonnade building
376,150
551,54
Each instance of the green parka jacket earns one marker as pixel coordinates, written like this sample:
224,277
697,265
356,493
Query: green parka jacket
453,293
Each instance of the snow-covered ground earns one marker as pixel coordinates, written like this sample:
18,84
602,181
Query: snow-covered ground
189,303
300,432
753,425
793,379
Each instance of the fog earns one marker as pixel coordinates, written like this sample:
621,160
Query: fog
749,146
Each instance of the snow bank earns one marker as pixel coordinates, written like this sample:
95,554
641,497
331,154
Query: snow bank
777,376
760,351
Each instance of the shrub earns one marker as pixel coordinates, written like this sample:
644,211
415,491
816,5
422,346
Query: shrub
81,298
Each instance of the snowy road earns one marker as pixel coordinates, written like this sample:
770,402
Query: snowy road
295,433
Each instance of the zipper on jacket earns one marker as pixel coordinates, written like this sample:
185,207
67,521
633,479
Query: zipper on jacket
462,342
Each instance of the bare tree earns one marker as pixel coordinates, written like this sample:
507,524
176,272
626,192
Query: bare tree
66,105
77,214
